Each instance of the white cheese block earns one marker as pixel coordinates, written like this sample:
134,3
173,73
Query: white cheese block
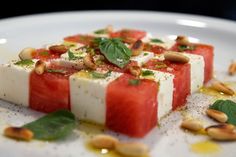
143,57
99,35
197,71
14,83
165,92
88,96
197,65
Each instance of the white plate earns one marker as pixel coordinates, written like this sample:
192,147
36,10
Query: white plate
168,140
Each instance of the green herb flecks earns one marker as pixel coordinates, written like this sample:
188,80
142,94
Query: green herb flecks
44,53
101,31
160,65
186,47
156,40
97,75
26,62
145,54
115,51
147,73
134,82
60,71
228,107
53,126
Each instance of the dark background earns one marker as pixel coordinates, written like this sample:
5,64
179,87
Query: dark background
222,9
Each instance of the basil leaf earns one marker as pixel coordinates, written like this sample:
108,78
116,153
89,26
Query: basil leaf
100,75
56,71
134,82
156,41
101,31
147,73
228,107
53,126
26,62
115,51
185,47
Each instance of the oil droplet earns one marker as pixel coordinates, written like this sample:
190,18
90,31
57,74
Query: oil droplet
102,152
210,91
205,147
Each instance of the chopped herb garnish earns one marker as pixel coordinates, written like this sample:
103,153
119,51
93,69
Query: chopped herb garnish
145,54
134,82
147,73
186,47
53,126
114,51
228,107
160,65
100,75
71,55
156,41
56,71
44,53
26,62
101,31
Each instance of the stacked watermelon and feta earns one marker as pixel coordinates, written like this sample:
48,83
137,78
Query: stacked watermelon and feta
105,92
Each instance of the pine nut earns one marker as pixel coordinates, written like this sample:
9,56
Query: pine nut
217,115
88,62
135,70
192,125
132,149
183,40
40,67
137,48
232,69
27,53
104,141
221,87
19,133
175,57
59,49
221,132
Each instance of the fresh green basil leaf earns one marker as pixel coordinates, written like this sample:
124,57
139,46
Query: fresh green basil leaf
134,82
228,107
100,75
56,71
101,31
156,40
115,51
147,73
26,62
186,47
53,126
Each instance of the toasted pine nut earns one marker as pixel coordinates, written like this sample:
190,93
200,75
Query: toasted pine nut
135,70
192,125
183,40
19,133
60,49
27,53
104,141
88,62
109,28
137,48
40,67
132,149
217,115
175,57
221,132
221,87
232,69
